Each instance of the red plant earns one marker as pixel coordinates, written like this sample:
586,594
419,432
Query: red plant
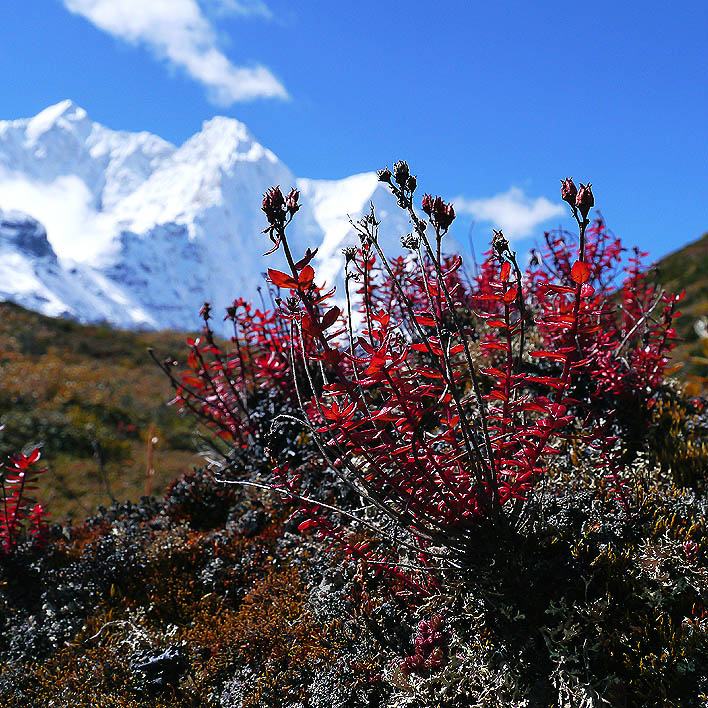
17,481
443,406
626,357
430,646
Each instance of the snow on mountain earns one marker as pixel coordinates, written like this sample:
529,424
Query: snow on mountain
32,275
128,228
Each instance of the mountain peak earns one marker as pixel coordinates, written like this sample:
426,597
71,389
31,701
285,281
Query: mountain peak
65,113
229,140
229,125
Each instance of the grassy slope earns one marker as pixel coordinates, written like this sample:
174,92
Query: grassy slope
73,387
687,269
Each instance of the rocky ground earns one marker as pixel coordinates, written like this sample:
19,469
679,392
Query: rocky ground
211,596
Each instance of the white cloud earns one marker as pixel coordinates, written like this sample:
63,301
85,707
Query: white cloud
513,212
179,32
243,8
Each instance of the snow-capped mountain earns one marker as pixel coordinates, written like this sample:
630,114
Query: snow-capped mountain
98,224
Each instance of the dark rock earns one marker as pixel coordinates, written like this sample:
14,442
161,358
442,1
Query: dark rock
252,522
26,234
159,668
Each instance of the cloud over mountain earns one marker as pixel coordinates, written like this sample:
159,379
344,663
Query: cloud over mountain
512,211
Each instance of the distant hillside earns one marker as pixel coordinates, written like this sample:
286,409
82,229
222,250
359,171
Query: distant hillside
687,269
89,393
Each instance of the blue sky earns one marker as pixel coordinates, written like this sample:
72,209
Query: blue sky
492,103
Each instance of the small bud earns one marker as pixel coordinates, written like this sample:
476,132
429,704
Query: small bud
427,204
499,243
568,191
690,549
447,217
349,253
411,241
384,175
205,311
440,213
291,201
230,313
274,206
401,172
585,199
412,183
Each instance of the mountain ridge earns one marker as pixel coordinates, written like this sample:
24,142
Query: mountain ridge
141,232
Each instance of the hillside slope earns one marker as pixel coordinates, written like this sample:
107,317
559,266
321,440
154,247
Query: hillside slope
91,396
687,269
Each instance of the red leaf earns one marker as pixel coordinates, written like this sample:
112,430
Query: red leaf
307,275
330,317
493,345
580,272
560,289
332,356
310,327
454,264
309,255
282,280
33,457
552,381
505,270
556,356
510,295
383,317
365,345
497,373
496,395
533,407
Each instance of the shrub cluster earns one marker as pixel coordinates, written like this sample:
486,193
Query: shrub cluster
440,401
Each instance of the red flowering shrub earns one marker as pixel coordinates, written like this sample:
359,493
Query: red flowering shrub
19,513
626,356
442,409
